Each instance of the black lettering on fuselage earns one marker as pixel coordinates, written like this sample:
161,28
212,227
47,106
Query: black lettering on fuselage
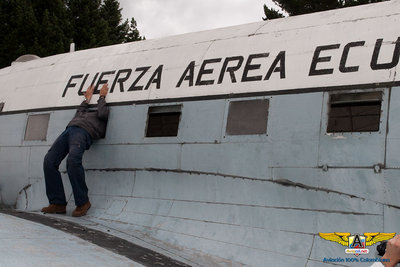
94,79
121,81
70,84
231,70
155,78
317,59
204,71
143,72
100,81
210,72
280,58
342,67
395,59
80,91
248,67
188,75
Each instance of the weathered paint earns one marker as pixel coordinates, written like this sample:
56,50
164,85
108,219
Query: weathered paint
215,199
285,54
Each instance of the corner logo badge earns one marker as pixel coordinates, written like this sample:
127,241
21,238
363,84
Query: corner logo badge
356,244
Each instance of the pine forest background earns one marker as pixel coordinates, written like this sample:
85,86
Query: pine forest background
47,27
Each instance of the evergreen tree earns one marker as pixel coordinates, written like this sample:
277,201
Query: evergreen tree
111,13
298,7
19,29
271,13
28,27
47,27
88,26
133,33
55,31
5,37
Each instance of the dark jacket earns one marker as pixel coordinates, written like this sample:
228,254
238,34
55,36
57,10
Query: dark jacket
93,121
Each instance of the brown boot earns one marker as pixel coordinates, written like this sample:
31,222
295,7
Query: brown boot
55,208
81,210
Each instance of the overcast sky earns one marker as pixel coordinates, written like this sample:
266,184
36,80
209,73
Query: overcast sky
159,18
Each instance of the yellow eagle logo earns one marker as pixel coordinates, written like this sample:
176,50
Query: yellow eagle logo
343,238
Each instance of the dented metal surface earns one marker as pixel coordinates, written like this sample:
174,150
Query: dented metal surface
212,198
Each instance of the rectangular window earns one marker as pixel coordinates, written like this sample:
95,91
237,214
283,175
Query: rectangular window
1,106
36,127
354,112
163,121
247,117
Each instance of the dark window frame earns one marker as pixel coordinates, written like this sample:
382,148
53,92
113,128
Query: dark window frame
163,121
358,112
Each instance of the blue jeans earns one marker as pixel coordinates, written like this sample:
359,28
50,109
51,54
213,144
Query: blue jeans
73,141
